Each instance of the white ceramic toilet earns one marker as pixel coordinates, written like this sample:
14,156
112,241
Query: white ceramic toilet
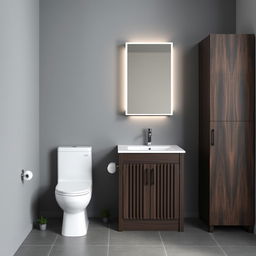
74,189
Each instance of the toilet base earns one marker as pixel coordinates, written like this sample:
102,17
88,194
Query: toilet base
75,224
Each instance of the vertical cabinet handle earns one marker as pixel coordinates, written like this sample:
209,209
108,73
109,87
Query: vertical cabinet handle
212,137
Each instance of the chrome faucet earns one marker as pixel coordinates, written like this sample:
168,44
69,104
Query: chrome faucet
149,140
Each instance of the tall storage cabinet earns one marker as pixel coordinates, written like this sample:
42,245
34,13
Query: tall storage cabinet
226,129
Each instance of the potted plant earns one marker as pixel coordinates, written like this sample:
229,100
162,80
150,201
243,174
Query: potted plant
105,215
42,222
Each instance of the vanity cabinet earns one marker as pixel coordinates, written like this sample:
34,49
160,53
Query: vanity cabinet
226,130
150,191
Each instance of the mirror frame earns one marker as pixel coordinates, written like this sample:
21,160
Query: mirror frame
126,78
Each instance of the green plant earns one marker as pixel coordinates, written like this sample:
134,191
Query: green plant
105,213
42,220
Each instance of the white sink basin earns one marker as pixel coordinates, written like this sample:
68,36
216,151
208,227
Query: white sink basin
158,148
150,149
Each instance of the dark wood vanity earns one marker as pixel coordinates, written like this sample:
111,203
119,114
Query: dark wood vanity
150,191
226,130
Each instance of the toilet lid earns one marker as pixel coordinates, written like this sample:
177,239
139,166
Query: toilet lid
73,188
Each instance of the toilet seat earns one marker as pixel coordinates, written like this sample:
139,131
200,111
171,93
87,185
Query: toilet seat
73,188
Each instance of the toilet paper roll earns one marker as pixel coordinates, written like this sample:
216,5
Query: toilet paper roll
111,167
28,175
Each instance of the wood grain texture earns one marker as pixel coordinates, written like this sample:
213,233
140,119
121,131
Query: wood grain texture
232,174
167,191
181,194
150,191
204,126
153,191
146,192
226,108
232,77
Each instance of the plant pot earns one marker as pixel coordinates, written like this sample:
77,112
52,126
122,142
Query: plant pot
105,220
42,227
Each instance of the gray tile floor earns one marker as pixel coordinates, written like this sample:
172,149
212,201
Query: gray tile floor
106,241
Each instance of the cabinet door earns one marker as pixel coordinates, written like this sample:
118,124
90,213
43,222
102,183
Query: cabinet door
151,191
165,191
231,173
136,191
232,78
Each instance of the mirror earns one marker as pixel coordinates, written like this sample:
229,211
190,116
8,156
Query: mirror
148,78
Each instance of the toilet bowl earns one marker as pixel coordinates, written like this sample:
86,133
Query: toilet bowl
74,202
74,189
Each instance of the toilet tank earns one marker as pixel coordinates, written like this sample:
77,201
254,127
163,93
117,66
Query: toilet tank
74,163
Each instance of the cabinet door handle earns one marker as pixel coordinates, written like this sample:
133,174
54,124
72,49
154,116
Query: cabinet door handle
212,137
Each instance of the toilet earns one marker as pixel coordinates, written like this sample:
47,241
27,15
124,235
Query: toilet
74,189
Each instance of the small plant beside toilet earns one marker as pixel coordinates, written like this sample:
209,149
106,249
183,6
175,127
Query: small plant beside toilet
42,222
105,216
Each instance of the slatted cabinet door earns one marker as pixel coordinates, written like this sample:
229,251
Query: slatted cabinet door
136,191
165,191
151,191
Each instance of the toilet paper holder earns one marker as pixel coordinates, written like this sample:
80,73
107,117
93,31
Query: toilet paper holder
26,175
112,167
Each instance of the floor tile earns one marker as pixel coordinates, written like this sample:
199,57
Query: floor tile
194,251
195,241
136,251
94,236
27,250
186,238
151,238
240,250
80,250
37,237
235,238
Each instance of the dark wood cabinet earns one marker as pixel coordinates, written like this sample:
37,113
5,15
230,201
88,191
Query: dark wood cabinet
226,130
150,191
231,77
231,176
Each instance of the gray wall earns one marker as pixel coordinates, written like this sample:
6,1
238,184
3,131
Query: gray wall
246,22
19,115
245,16
80,83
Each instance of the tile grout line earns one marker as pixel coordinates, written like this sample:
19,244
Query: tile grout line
165,252
108,241
214,239
53,245
35,245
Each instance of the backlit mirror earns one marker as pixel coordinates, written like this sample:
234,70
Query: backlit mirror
148,78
